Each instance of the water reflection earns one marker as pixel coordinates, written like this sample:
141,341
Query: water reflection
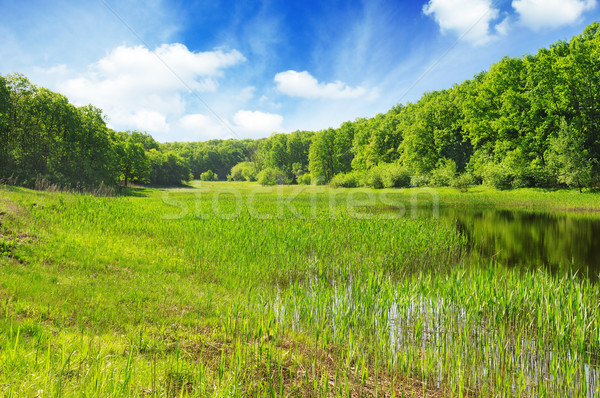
559,242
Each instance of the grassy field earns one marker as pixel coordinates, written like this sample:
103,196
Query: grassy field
228,289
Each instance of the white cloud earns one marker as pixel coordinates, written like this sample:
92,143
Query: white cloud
552,13
257,123
197,127
252,124
503,27
303,84
150,121
469,19
141,89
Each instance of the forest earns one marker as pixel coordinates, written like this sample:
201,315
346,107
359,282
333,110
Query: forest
532,121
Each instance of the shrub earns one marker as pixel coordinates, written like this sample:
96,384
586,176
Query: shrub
444,174
318,180
373,178
304,179
498,176
271,176
236,174
523,178
463,181
209,176
345,180
244,171
395,176
419,180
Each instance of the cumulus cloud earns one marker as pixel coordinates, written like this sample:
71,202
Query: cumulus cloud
147,120
196,127
246,123
503,27
551,13
257,122
142,88
304,85
470,19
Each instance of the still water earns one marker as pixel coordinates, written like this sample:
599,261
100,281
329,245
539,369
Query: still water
559,242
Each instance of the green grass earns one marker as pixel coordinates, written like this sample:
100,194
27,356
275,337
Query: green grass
482,196
239,290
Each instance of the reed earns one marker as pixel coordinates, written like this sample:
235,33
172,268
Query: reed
214,291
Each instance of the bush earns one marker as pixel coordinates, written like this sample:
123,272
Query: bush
523,178
243,171
236,174
444,174
209,176
345,180
420,180
463,181
319,180
271,176
395,176
498,176
304,179
373,178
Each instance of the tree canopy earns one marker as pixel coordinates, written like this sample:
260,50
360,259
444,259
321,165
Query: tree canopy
532,121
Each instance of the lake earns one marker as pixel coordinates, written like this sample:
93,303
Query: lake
559,242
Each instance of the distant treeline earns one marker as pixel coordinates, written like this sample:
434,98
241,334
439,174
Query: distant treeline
44,137
527,122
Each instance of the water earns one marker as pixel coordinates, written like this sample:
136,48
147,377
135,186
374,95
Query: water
558,242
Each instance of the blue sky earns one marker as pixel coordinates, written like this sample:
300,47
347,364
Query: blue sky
198,70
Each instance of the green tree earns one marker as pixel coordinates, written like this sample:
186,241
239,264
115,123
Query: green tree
244,171
342,144
321,156
569,158
209,176
271,176
134,165
167,168
6,160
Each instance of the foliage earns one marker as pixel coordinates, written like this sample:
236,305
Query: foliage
134,164
304,179
244,171
44,136
444,174
463,181
419,180
209,176
167,168
499,176
346,180
569,159
373,177
512,126
396,176
6,247
321,156
271,176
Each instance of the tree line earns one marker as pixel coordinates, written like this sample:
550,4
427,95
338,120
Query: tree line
527,122
45,137
532,121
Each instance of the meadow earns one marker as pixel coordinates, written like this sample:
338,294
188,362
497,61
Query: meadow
231,289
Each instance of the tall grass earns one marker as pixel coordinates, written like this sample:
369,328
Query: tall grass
282,291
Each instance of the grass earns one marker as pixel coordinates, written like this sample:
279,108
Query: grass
238,290
524,199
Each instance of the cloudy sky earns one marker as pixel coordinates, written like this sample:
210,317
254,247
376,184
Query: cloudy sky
204,69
